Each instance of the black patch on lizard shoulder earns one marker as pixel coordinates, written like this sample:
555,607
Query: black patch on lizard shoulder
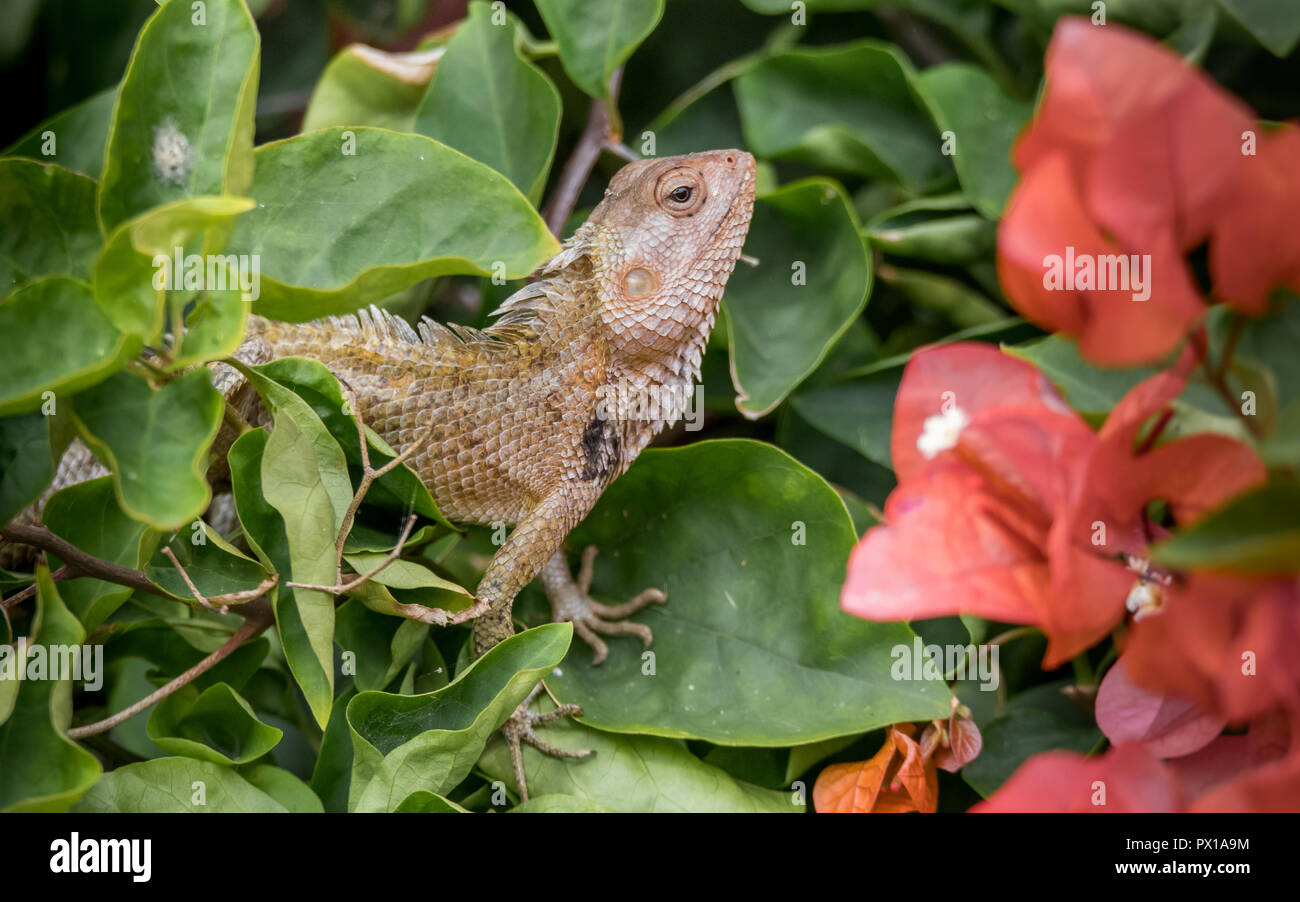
600,450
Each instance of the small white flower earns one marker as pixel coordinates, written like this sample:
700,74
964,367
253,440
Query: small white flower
940,431
1143,599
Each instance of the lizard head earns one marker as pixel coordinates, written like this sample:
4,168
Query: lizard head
661,245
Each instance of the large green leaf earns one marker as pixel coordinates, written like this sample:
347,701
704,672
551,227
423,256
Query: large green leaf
155,440
40,768
179,785
215,725
1275,25
752,647
54,338
50,226
338,246
196,136
489,102
984,119
407,743
850,108
87,514
74,137
375,648
304,476
596,38
26,462
629,773
367,86
779,331
1256,533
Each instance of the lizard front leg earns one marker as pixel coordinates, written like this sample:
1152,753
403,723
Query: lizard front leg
533,542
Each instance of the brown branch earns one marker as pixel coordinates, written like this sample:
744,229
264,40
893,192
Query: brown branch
596,135
77,562
256,623
1217,376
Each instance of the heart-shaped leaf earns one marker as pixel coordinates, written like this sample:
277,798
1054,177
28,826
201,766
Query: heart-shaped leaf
385,211
489,102
751,648
195,137
155,440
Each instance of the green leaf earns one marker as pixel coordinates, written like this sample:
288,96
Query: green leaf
597,38
87,514
559,804
490,103
180,785
333,249
1275,25
54,338
967,101
631,774
424,802
951,298
40,768
375,648
284,787
812,282
849,108
50,226
26,462
129,273
215,566
1256,533
751,648
215,725
935,229
304,477
79,135
407,743
195,137
367,86
214,328
859,413
155,441
1038,720
401,489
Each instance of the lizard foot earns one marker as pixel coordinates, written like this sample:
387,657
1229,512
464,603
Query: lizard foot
520,728
590,618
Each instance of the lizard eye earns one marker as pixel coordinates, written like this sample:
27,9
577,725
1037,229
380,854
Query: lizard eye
681,191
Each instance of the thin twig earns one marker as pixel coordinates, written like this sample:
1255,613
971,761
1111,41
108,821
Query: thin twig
368,476
1217,376
599,131
28,591
341,587
221,603
253,626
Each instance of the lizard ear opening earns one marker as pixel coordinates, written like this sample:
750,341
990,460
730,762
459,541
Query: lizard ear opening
639,283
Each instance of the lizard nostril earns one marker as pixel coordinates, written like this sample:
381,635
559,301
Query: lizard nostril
730,160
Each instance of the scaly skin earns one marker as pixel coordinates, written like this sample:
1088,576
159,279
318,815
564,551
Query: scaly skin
526,428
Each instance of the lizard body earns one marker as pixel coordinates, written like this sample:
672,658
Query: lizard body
529,418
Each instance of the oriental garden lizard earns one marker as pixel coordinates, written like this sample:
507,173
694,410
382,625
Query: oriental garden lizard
524,423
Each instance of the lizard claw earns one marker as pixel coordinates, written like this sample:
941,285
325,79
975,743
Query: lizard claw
520,728
590,618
